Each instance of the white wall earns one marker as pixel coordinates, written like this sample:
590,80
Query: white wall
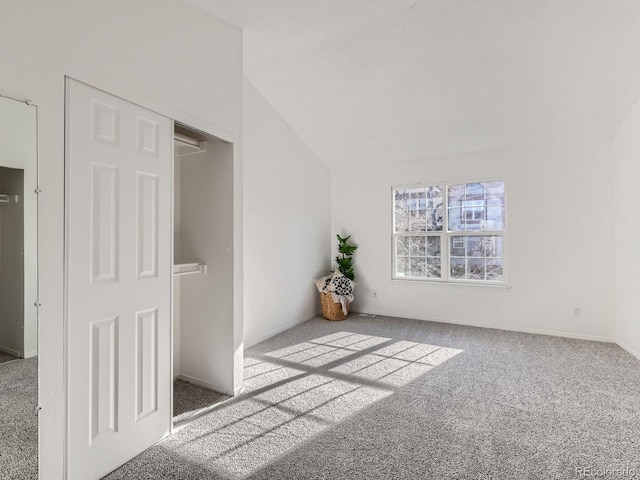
164,54
627,232
287,221
559,233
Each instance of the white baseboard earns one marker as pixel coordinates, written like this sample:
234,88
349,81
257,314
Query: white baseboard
200,383
10,351
31,354
238,390
281,329
628,349
553,333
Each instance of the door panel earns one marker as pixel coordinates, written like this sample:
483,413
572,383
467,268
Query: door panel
118,279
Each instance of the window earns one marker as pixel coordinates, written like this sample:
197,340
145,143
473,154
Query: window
451,232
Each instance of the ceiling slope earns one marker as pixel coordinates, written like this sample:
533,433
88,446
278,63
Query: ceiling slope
378,81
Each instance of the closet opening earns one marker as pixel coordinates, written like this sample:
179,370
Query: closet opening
11,264
202,272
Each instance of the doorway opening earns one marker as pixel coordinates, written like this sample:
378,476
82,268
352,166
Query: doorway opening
202,272
11,264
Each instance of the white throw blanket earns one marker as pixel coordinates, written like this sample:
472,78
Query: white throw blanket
340,288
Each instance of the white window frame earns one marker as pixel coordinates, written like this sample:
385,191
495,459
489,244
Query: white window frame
446,235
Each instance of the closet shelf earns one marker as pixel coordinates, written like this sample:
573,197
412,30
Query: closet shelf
189,268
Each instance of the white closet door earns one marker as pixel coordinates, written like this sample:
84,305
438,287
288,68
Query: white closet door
118,279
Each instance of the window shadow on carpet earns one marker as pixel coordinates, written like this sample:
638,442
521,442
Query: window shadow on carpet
297,392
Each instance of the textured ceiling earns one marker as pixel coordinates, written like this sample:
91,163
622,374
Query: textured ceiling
365,82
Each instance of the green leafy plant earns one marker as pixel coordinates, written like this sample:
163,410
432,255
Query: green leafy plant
345,262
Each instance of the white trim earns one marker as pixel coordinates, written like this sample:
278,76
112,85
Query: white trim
21,100
459,283
172,282
10,351
282,329
440,183
626,347
30,354
201,383
66,414
494,326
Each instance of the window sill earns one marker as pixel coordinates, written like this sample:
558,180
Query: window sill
499,286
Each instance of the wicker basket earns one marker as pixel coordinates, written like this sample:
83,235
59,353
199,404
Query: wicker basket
330,310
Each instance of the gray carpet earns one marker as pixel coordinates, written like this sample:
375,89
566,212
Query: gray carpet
189,400
386,398
19,420
5,357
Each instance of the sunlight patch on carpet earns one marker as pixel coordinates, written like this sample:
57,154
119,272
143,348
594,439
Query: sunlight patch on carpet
294,393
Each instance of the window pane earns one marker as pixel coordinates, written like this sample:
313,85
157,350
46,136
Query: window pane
418,256
418,199
495,218
476,206
402,266
400,197
474,217
433,267
418,221
402,246
418,267
474,191
495,193
418,209
494,269
434,219
475,268
434,197
417,246
433,246
493,246
434,205
476,257
456,220
402,224
458,247
456,195
458,270
475,247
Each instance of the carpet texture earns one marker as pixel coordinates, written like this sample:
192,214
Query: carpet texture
388,398
189,400
19,419
5,357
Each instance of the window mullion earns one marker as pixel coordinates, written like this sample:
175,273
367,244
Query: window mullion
444,238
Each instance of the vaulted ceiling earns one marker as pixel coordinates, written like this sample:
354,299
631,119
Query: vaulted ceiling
364,82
